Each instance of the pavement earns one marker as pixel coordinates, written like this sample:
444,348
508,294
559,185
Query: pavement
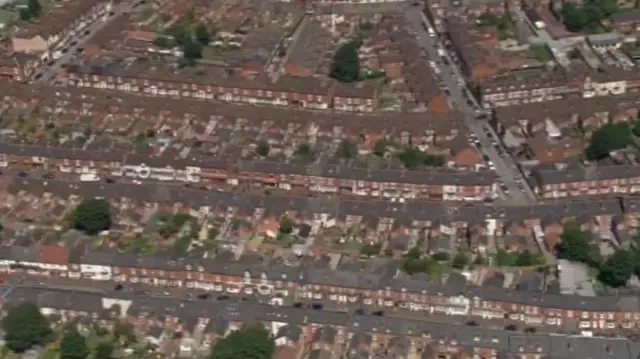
513,185
75,44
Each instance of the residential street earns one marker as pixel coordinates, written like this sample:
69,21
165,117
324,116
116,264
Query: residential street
76,44
515,188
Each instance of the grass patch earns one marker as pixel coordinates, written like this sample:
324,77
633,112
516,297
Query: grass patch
50,354
542,53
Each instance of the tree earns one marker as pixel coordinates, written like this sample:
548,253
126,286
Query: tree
263,148
25,14
617,269
433,161
162,42
573,17
191,51
460,260
440,256
286,225
34,7
506,259
411,157
182,244
124,332
250,343
574,54
180,32
92,216
588,16
346,64
369,250
104,350
304,150
203,35
576,245
525,259
419,265
73,345
25,327
608,138
347,149
380,147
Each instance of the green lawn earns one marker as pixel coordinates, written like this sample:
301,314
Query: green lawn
50,354
7,19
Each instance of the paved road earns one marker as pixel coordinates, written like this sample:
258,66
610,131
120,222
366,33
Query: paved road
76,44
514,187
86,285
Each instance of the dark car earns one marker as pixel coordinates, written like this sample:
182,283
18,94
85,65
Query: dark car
378,313
203,296
317,306
298,305
23,174
118,287
223,297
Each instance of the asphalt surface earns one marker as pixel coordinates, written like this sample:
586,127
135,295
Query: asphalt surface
76,44
105,287
514,186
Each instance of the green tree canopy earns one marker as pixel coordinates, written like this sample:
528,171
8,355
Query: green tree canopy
104,350
163,42
380,147
608,138
203,35
250,343
73,345
181,32
35,9
460,260
304,150
124,332
618,268
576,245
369,250
574,18
191,51
25,327
588,16
413,158
92,216
263,148
525,259
286,225
347,149
346,64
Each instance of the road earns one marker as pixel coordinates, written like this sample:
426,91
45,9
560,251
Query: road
75,44
106,287
512,184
